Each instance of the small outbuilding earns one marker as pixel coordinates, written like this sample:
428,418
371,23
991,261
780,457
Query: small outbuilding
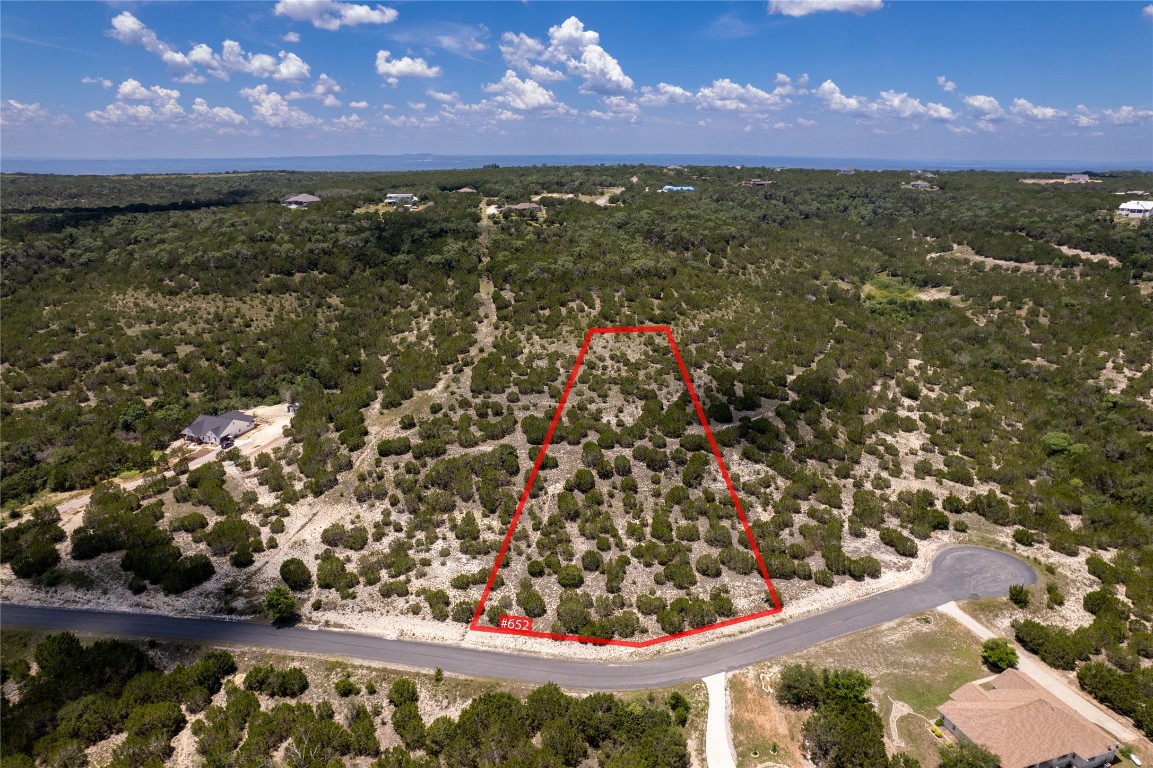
1136,209
921,185
467,190
217,430
400,198
1077,178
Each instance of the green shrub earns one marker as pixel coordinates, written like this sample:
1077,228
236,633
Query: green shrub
295,574
398,446
998,654
1020,595
344,687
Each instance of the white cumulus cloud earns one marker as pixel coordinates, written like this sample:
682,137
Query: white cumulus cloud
272,109
1128,115
1147,12
946,84
323,90
17,114
134,90
353,122
132,31
1029,111
358,104
103,82
443,98
726,95
218,115
291,37
288,66
887,104
664,94
525,95
332,15
186,67
121,113
786,86
617,108
837,101
576,49
138,106
798,8
986,107
579,49
394,69
519,50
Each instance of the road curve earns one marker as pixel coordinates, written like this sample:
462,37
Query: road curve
957,573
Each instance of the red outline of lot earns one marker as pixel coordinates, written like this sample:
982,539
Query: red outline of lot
667,331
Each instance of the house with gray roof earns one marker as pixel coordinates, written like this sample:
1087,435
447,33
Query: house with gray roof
215,430
300,201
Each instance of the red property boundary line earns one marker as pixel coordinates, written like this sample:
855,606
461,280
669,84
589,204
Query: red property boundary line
667,331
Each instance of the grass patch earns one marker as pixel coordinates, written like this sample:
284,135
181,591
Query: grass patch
17,643
917,740
936,663
891,297
919,660
763,730
885,288
989,610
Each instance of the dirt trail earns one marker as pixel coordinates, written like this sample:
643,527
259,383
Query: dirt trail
486,330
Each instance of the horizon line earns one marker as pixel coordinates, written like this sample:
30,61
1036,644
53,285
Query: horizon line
425,161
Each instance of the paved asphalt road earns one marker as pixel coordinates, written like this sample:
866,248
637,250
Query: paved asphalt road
958,573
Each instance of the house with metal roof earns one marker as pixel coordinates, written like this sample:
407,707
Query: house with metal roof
671,188
1018,720
215,430
1136,209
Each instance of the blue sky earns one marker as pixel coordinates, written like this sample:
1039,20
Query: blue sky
980,81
